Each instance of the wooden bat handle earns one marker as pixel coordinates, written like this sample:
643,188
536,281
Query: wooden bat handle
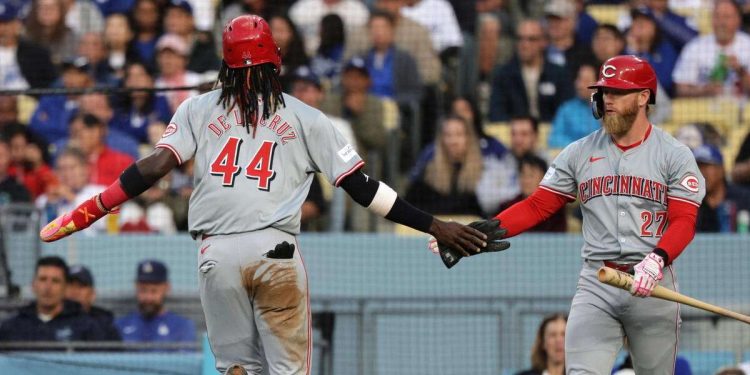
624,281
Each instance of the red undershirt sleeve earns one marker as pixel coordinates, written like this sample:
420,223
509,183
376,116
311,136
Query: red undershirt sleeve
526,214
681,217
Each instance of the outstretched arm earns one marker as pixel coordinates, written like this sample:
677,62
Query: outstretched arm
526,214
384,201
136,179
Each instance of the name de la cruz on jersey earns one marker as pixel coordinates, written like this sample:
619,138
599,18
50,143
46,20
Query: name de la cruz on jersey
633,186
277,124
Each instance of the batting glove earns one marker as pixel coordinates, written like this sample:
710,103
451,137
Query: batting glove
647,274
80,218
491,228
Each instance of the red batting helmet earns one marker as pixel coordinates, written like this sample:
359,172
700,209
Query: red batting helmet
247,41
627,72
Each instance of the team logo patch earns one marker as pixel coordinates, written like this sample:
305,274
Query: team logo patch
550,173
691,183
606,71
347,153
171,129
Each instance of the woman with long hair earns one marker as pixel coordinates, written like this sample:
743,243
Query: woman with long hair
137,109
445,177
45,25
291,45
548,351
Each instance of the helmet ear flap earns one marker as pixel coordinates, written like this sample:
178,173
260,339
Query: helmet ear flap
597,104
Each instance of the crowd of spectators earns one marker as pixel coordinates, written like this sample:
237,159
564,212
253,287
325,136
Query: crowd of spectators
63,311
444,68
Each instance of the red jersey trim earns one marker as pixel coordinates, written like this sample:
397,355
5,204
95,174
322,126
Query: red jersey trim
170,148
551,190
349,172
685,201
628,147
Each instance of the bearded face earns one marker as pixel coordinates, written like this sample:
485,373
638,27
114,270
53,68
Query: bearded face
618,124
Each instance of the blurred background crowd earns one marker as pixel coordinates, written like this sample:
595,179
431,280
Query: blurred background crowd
460,104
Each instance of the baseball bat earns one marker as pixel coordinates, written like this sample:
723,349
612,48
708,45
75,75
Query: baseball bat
624,281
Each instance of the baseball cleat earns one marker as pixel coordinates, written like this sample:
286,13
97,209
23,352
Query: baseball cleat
59,228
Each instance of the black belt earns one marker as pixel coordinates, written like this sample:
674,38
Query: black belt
624,267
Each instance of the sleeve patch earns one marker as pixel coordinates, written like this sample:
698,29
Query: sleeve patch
171,129
347,153
690,183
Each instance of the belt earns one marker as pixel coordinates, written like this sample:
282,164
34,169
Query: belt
624,267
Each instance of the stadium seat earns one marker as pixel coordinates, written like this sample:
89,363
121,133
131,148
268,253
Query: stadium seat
724,114
606,13
707,362
499,130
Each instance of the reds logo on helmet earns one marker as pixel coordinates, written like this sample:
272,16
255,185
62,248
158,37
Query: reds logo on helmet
690,183
627,72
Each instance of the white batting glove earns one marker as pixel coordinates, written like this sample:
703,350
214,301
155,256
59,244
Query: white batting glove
432,245
647,274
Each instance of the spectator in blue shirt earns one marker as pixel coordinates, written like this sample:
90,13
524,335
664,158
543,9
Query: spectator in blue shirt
393,71
134,111
50,317
574,120
153,322
645,40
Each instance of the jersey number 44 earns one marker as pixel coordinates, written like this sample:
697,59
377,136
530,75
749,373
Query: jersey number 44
259,168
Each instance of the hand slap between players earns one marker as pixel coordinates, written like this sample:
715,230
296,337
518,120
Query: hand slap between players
491,231
647,274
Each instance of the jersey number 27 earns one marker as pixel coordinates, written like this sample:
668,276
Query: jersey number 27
260,167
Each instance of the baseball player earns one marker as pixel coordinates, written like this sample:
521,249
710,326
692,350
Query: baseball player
640,190
256,151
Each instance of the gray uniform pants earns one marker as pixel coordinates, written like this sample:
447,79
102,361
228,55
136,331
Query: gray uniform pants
257,309
601,315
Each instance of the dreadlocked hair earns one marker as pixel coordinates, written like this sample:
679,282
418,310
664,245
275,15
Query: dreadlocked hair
242,87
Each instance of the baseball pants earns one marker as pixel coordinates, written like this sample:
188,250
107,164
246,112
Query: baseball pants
257,308
602,315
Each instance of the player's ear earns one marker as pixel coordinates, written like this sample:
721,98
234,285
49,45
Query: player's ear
643,98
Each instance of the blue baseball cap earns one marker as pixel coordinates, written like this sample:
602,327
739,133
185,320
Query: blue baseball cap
182,4
304,73
81,274
708,154
8,11
151,271
357,63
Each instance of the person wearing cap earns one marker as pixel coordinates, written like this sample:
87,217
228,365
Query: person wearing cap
178,20
25,64
564,48
81,289
645,40
357,105
529,84
172,54
153,322
724,199
49,317
717,63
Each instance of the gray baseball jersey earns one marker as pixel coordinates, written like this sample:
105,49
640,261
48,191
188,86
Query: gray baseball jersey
245,182
624,193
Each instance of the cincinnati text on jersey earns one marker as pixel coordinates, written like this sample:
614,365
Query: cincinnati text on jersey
277,124
633,186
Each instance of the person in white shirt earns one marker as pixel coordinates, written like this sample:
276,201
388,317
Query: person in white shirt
716,63
307,14
172,59
438,17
